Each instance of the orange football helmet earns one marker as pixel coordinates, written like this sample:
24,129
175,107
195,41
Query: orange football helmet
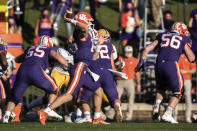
84,17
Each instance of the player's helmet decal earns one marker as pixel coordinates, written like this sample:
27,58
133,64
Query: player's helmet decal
83,17
45,41
179,27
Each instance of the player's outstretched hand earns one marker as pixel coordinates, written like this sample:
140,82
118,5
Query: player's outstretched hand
139,65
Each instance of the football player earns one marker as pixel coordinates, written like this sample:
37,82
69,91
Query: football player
171,45
35,60
100,67
61,78
3,68
82,58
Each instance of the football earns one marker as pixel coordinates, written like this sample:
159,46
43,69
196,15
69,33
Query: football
70,13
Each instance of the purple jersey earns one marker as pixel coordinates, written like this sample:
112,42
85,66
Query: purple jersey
194,16
171,45
38,55
84,52
104,60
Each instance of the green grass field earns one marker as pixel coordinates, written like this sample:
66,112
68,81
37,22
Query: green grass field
35,126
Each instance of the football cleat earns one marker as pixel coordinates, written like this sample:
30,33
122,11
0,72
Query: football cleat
194,117
15,115
83,120
67,119
5,119
103,116
99,121
42,116
156,113
54,115
168,118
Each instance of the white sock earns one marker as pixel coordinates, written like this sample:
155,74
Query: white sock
35,103
47,110
78,113
7,113
87,114
97,115
169,110
118,104
157,102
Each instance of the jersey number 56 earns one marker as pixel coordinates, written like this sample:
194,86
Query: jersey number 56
172,41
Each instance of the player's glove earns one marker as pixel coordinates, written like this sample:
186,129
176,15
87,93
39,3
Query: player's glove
139,65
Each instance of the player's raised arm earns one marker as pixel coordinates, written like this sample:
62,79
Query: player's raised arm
144,54
83,26
54,55
190,55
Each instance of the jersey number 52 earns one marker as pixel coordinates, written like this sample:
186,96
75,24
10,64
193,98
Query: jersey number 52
172,41
104,52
